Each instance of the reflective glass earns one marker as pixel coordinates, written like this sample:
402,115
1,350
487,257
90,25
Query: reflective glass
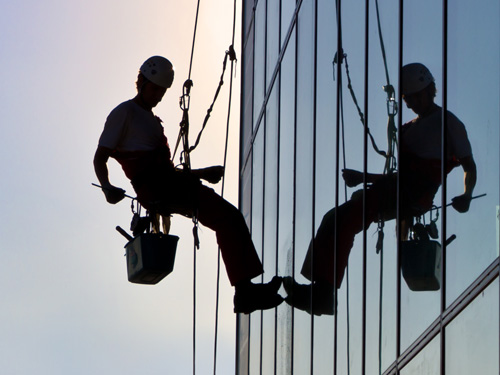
424,45
243,331
259,61
286,203
323,358
247,15
381,239
473,96
243,326
472,340
304,176
270,225
351,146
257,235
426,362
247,99
287,11
272,38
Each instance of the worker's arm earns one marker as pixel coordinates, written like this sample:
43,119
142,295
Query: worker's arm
461,203
210,174
353,178
113,194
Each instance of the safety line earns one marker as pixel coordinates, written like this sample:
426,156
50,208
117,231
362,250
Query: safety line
194,39
185,131
216,328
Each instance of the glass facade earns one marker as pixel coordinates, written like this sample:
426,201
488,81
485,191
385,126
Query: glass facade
321,92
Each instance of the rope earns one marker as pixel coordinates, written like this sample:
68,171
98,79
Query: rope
343,57
223,185
184,103
232,56
389,167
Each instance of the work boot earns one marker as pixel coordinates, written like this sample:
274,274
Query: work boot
299,296
249,297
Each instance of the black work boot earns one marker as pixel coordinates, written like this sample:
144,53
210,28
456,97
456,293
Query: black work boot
249,297
315,299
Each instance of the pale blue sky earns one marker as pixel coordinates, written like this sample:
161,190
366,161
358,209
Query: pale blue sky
68,307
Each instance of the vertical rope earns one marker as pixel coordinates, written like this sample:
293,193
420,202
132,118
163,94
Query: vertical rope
185,123
216,328
194,39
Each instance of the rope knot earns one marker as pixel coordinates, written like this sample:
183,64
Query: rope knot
232,53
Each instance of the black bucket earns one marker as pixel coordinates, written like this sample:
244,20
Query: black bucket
421,264
150,257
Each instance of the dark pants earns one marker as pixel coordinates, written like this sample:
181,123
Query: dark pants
182,193
328,252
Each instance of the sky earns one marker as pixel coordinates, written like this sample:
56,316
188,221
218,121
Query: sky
67,305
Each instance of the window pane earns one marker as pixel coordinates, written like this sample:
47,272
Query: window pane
426,362
325,165
304,158
287,11
270,220
472,337
272,39
259,60
257,208
247,99
286,193
473,96
424,45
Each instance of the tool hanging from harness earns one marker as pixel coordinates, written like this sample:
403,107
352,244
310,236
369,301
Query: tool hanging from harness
150,252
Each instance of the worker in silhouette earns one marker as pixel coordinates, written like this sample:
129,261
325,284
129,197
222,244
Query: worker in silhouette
419,180
134,137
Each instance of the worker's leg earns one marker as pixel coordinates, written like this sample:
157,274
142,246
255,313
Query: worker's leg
328,252
233,237
182,193
335,236
328,263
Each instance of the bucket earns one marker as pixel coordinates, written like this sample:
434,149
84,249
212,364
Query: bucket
421,264
150,257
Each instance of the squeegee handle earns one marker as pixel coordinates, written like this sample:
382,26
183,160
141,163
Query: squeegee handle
477,196
124,234
103,188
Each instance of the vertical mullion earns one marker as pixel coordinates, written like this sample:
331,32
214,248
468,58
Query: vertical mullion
444,153
263,126
294,211
365,169
278,109
398,204
313,200
337,163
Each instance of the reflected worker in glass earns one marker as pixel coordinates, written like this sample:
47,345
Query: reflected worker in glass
420,178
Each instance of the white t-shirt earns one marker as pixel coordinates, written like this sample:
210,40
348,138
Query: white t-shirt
422,137
129,127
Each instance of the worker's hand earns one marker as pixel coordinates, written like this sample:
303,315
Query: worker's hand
211,174
113,194
351,177
461,203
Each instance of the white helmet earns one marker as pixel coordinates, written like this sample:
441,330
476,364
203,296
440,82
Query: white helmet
416,77
158,70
